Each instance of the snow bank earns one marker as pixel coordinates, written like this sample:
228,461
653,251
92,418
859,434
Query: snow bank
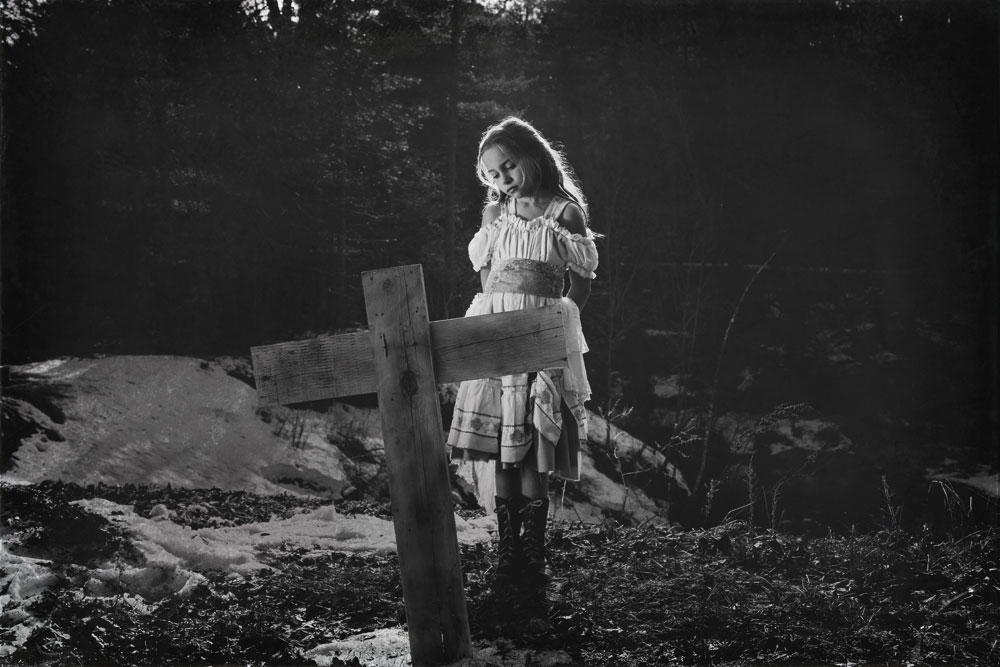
179,421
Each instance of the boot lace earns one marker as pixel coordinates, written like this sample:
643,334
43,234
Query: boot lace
534,536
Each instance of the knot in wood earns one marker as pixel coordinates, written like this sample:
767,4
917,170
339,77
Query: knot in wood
409,382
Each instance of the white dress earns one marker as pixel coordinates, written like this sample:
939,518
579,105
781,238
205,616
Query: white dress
541,414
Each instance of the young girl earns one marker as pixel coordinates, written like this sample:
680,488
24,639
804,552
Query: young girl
534,232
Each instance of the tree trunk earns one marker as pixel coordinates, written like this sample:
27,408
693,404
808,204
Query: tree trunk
450,204
340,192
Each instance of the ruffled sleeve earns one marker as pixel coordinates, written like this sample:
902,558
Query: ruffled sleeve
579,253
481,245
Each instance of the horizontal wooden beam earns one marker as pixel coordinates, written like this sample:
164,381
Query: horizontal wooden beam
464,348
314,369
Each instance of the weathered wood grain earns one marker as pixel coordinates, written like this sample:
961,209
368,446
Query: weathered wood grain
500,344
314,369
426,540
463,349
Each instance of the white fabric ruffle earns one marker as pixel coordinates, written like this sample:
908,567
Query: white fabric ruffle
542,238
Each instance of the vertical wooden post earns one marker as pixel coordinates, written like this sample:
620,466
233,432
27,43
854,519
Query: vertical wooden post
419,488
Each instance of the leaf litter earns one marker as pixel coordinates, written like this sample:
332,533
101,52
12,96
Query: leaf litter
644,595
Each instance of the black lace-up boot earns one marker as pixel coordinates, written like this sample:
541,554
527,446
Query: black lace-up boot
535,514
508,538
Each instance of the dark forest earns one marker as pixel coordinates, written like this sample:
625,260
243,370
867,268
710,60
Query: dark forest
798,200
792,453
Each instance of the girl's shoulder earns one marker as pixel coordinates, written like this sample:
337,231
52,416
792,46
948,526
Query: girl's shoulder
566,216
572,218
491,212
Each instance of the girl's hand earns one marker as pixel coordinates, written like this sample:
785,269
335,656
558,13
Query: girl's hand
490,213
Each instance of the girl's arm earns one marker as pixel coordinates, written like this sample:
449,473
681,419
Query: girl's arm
490,213
579,289
573,220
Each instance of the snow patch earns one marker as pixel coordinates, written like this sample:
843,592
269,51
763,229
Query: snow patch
669,387
390,647
386,647
21,579
982,478
811,435
141,585
886,357
43,367
170,548
663,333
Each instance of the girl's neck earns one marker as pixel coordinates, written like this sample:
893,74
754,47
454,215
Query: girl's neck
532,206
535,199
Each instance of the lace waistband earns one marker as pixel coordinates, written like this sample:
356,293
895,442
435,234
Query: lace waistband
525,276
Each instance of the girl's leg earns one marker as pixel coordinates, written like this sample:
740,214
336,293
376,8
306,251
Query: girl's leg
508,482
534,484
509,507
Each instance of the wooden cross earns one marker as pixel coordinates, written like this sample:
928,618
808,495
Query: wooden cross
403,357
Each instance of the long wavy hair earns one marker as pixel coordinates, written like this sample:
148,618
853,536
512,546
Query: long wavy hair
544,166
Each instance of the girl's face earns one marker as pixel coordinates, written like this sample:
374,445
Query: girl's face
504,173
